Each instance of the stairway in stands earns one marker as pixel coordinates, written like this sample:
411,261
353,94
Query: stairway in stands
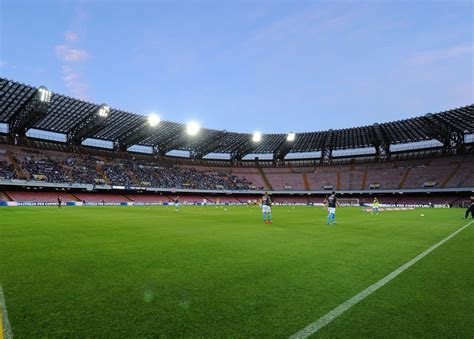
268,186
128,198
102,174
306,182
20,173
75,197
134,178
364,179
451,175
66,169
404,178
5,197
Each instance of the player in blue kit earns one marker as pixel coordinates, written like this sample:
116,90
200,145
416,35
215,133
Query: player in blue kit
267,209
331,204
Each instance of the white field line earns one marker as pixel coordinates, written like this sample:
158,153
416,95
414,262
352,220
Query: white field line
7,330
335,312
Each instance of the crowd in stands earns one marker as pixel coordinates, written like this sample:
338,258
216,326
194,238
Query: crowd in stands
45,169
83,170
149,174
7,171
116,172
128,173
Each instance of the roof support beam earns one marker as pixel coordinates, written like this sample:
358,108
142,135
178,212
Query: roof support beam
283,149
210,146
241,151
133,136
91,124
170,145
451,137
30,113
381,143
326,148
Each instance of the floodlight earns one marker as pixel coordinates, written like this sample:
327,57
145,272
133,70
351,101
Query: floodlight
43,94
291,136
192,128
257,136
103,111
153,120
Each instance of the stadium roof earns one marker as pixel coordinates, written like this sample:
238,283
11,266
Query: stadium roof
64,114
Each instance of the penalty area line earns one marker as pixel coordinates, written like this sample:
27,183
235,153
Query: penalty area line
337,311
5,328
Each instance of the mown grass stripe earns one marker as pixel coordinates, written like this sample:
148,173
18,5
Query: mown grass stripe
337,311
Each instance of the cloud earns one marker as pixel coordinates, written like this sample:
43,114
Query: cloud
72,58
74,82
439,55
3,63
70,36
68,53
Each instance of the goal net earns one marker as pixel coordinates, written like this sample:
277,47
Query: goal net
348,201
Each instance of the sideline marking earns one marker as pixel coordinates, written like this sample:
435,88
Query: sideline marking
5,328
337,311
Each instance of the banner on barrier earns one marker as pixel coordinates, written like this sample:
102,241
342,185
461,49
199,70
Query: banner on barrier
74,203
8,203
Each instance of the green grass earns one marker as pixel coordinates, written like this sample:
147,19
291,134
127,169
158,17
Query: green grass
207,272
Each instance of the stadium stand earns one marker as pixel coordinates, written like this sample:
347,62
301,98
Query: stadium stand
443,172
454,171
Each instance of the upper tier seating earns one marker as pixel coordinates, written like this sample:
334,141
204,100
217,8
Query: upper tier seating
284,178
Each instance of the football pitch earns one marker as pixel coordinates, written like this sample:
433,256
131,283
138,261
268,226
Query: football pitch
215,272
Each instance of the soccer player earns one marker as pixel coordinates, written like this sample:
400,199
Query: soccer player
470,209
176,203
331,203
267,208
60,201
375,206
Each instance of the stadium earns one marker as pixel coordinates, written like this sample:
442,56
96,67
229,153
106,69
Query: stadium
97,154
123,224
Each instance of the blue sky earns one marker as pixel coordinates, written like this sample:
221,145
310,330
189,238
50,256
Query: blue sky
273,66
